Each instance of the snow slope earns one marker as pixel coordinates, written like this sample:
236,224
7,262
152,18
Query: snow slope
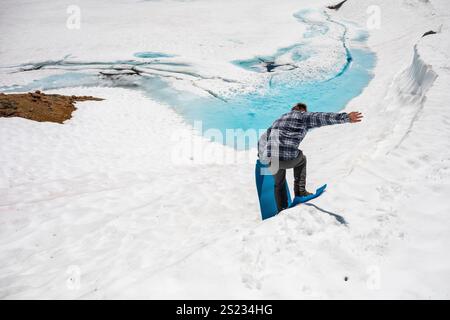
109,206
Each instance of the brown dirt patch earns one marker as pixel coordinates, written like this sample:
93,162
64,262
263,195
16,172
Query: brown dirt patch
39,106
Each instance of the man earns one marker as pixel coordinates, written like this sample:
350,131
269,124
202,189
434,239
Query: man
278,146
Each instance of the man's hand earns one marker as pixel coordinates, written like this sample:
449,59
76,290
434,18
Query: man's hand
355,117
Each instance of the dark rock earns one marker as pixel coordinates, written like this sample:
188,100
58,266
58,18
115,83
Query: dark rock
337,6
429,33
270,66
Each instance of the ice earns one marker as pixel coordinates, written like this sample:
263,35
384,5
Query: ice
305,70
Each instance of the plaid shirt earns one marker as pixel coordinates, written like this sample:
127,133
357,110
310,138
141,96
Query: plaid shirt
284,136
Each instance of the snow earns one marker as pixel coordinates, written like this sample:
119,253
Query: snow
125,200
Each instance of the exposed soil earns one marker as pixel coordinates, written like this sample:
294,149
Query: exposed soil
39,106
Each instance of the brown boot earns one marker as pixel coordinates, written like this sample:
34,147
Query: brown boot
302,193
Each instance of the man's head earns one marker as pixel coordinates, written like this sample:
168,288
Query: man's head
300,107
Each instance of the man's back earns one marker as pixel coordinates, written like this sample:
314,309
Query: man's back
283,138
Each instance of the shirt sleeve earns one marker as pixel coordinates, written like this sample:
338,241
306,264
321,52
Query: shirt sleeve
320,119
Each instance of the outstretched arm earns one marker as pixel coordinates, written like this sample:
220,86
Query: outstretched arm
355,117
319,119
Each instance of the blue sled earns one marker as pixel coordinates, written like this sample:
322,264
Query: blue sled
266,193
265,186
298,200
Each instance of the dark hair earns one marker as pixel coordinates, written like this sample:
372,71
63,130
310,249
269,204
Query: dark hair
299,106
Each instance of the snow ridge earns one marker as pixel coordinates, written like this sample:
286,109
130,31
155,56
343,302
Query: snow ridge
408,94
414,82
